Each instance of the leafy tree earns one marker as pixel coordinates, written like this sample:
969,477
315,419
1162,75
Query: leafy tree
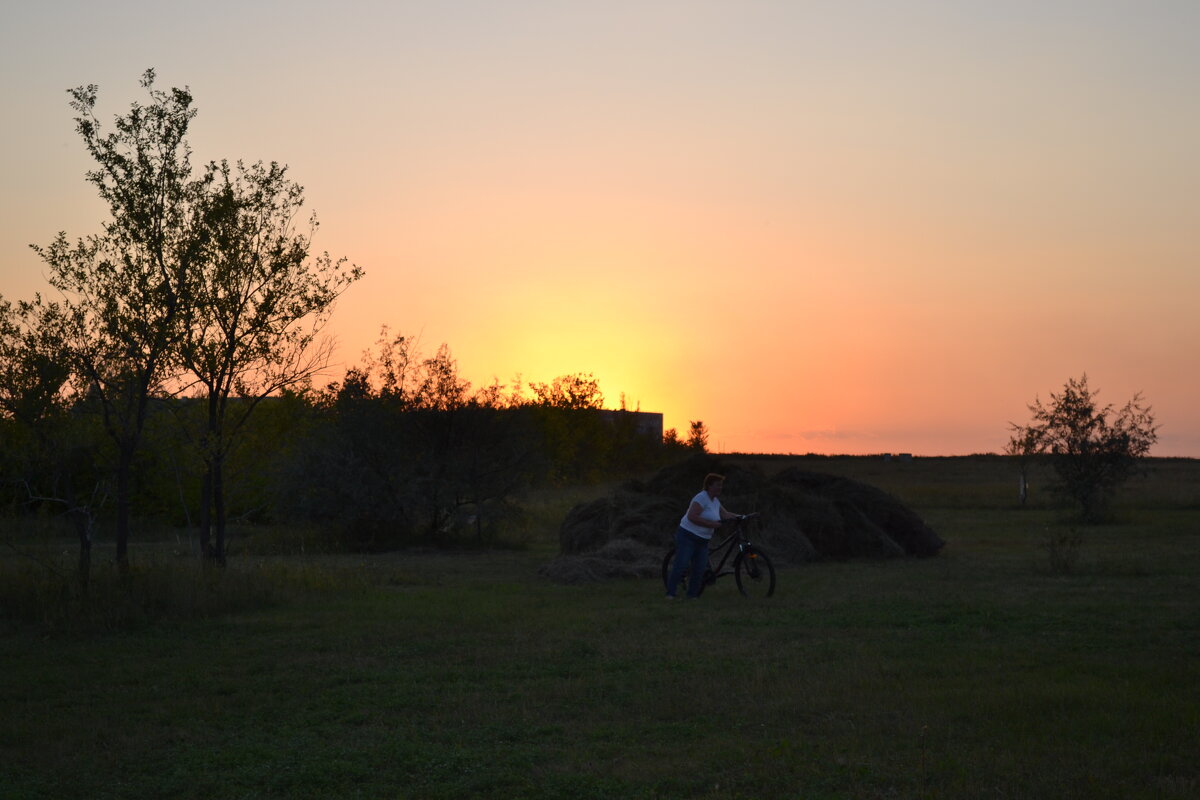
1094,449
672,446
122,288
34,374
37,393
698,436
577,391
576,441
407,450
256,304
398,373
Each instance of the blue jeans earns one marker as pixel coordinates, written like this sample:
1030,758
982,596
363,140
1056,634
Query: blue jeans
691,553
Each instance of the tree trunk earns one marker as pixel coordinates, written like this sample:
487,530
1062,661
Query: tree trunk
1094,506
204,518
83,529
218,493
85,560
210,489
124,502
82,520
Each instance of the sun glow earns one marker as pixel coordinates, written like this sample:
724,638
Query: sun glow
810,229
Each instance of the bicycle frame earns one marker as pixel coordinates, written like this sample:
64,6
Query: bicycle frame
733,555
735,537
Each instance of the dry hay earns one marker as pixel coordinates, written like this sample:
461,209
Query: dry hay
619,558
805,516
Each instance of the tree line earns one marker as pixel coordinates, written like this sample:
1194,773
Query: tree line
201,301
401,451
417,455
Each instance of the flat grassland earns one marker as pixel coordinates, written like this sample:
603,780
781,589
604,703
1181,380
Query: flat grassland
1031,659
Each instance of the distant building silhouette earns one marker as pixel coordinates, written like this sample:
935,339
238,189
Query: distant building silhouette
647,423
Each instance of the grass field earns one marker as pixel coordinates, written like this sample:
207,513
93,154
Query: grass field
981,673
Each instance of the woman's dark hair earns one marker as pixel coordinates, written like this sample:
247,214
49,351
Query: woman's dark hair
712,478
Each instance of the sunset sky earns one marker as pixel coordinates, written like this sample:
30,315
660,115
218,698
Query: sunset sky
832,227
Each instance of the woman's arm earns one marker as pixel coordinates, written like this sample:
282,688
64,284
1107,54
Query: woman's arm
693,515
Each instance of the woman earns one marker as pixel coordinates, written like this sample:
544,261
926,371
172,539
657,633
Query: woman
704,515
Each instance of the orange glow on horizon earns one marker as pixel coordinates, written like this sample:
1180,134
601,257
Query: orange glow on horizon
813,229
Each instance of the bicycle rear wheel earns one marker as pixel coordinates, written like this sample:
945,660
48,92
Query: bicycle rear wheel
668,559
754,573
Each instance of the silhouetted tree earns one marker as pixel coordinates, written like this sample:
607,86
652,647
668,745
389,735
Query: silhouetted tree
256,303
576,391
123,288
1093,451
37,393
35,373
574,438
698,437
409,451
673,447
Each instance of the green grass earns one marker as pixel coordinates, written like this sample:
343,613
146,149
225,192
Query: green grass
979,673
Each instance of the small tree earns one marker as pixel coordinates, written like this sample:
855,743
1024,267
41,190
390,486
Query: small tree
577,441
256,302
34,373
122,288
37,393
698,436
577,391
1093,450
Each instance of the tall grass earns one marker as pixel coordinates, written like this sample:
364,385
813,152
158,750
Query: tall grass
44,591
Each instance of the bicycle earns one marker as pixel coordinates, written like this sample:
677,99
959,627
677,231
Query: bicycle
751,568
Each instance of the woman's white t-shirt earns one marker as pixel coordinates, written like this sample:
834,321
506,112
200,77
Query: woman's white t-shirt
710,509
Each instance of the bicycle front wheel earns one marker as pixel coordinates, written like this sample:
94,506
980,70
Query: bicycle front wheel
754,573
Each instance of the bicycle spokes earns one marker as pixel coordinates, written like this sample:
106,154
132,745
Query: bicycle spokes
755,575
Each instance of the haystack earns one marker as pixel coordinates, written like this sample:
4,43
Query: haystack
805,516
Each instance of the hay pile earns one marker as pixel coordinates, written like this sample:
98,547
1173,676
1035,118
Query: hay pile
806,516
